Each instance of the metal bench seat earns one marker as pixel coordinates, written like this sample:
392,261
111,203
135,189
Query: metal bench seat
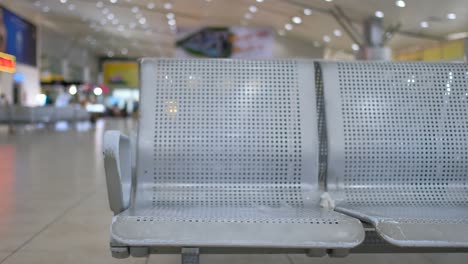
397,148
227,156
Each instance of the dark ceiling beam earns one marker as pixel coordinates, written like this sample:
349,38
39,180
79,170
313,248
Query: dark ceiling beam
346,23
407,33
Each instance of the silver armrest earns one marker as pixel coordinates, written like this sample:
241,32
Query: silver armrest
118,167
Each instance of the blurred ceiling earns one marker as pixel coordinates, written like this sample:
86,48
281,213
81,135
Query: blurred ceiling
134,28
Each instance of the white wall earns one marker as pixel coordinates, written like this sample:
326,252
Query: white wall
68,50
31,84
6,85
291,47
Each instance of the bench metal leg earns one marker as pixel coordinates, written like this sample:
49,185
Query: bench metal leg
190,256
120,252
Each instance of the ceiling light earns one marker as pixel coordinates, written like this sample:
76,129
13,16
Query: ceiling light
63,1
424,24
110,16
151,5
73,90
98,90
355,47
326,38
328,0
379,14
170,15
337,33
98,4
400,3
458,35
167,6
307,12
135,9
288,26
452,16
124,51
259,1
281,32
113,1
253,9
296,20
171,22
142,20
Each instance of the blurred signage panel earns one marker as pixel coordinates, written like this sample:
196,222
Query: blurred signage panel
122,74
225,42
7,63
18,37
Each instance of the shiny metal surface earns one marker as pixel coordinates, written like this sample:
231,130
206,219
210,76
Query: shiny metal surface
398,148
54,208
227,156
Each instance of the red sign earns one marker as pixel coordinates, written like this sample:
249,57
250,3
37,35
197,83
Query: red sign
7,63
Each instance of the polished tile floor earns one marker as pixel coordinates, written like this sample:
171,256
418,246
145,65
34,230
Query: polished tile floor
53,205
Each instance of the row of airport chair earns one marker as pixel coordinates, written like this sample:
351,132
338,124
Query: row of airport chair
14,114
292,156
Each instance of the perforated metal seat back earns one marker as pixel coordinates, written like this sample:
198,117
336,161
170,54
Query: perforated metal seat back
398,135
227,139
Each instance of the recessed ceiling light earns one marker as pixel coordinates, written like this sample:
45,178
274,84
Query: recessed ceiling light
424,24
328,0
253,9
452,16
135,9
170,15
171,22
326,38
142,20
355,47
288,26
113,1
296,20
400,3
63,1
110,16
259,1
379,14
99,4
151,5
307,12
337,33
124,51
167,5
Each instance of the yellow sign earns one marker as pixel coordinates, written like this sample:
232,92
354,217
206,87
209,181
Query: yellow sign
7,63
121,74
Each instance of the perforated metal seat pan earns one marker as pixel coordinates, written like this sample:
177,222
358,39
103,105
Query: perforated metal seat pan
227,157
398,148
